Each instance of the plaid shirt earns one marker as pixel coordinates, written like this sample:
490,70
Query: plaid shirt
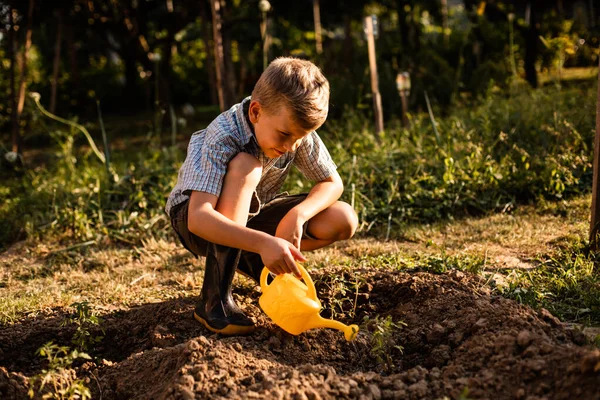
211,149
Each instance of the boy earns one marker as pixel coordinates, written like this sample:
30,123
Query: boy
225,205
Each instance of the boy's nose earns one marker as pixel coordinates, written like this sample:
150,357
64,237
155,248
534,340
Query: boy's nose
289,146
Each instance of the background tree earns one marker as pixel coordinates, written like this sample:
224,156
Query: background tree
83,50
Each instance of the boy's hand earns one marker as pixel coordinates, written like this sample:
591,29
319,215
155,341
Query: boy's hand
280,256
290,228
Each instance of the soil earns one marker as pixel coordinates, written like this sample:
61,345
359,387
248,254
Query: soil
459,341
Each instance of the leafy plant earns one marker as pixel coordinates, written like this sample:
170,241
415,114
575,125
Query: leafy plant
84,319
59,380
382,332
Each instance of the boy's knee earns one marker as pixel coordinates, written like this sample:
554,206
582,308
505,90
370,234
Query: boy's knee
349,221
245,167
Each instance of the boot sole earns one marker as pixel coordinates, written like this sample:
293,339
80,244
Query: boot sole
229,330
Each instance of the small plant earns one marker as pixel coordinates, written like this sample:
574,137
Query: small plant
341,292
59,380
382,332
84,318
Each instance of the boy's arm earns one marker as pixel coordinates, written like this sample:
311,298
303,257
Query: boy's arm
205,221
321,196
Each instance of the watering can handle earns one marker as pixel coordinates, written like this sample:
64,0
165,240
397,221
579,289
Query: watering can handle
263,278
312,292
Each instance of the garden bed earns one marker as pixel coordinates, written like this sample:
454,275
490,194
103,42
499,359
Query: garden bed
459,340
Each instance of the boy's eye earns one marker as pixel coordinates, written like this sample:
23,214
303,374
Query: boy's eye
285,134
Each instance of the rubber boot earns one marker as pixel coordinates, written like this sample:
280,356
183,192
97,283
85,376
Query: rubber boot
217,310
250,265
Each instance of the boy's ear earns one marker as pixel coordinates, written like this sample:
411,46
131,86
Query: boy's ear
254,111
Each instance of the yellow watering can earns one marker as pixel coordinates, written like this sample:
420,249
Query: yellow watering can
294,306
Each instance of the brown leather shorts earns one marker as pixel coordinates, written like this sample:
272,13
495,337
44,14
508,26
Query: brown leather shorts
265,220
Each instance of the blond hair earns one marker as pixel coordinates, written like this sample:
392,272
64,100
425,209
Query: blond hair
299,85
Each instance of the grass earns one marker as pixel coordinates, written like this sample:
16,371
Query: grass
544,264
110,278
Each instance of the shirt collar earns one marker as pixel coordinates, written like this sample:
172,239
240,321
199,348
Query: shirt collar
244,120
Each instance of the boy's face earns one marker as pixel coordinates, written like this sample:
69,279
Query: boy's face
276,133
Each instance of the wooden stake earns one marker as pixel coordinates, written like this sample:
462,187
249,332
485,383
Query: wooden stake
404,109
374,78
596,166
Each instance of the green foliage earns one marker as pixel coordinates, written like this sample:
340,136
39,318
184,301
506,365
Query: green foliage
84,319
59,380
74,199
492,156
567,284
382,332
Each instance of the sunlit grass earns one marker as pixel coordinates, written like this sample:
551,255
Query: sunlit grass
535,256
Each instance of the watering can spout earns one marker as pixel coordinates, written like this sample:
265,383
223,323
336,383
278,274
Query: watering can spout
350,331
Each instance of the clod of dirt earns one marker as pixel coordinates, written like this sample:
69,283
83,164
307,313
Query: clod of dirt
524,338
12,385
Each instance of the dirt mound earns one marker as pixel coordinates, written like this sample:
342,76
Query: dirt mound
458,340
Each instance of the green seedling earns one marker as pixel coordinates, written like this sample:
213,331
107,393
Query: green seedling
59,380
84,319
382,332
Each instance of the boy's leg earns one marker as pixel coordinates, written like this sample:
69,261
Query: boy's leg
216,309
338,222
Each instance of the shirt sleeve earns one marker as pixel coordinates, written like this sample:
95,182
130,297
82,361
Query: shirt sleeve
313,158
206,163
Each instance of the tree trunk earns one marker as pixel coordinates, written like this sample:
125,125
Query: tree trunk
243,77
444,12
210,62
13,88
348,44
531,47
560,9
73,64
16,143
317,18
595,217
403,25
231,81
165,80
215,6
56,66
